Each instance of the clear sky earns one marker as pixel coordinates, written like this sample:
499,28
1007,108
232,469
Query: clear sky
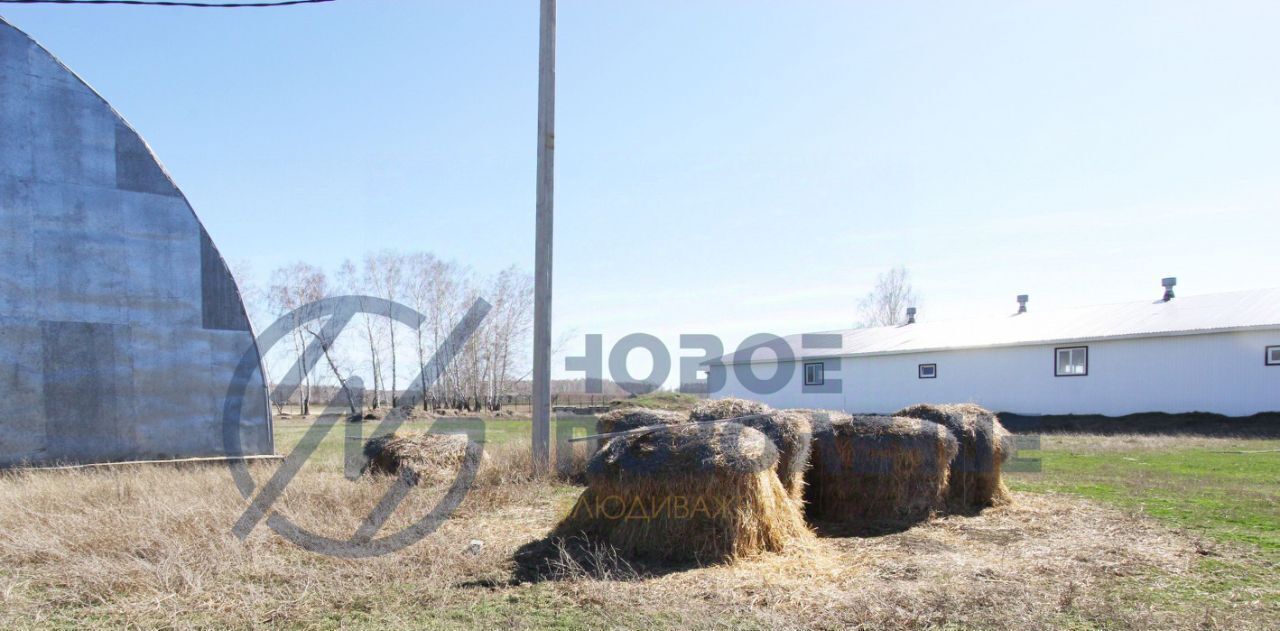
724,167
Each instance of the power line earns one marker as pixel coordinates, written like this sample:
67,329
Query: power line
164,3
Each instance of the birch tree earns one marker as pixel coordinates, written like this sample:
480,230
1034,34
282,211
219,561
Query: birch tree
384,272
886,304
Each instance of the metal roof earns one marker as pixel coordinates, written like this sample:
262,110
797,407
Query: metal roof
1233,311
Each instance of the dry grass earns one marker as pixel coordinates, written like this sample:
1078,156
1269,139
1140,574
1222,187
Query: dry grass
1033,565
150,547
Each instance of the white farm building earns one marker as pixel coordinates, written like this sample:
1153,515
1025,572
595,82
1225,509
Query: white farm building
1212,353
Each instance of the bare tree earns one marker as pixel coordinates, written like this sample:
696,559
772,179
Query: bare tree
484,374
290,287
511,321
384,272
423,275
294,286
448,291
886,304
257,306
372,329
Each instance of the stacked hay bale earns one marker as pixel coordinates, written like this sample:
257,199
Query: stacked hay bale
788,430
717,409
975,480
702,493
635,418
421,456
878,470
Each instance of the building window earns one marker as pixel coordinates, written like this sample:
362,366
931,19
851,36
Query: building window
813,374
1273,355
1071,362
928,371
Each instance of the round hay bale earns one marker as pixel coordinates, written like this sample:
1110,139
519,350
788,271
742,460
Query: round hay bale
878,470
792,434
421,455
720,409
634,418
701,493
985,444
790,431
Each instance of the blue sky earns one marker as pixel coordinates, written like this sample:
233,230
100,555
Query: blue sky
724,167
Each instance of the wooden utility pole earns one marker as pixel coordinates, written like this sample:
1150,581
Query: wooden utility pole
542,249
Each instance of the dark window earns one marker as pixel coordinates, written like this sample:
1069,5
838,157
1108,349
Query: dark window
1273,355
813,374
928,371
1072,361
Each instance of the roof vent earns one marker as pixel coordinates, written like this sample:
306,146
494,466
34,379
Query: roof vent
911,315
1022,303
1168,287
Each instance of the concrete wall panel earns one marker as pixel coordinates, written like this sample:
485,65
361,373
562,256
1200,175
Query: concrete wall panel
22,432
74,136
226,350
172,394
87,390
220,301
136,169
16,155
17,258
120,325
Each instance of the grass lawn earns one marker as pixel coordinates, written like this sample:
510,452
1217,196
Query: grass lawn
1226,491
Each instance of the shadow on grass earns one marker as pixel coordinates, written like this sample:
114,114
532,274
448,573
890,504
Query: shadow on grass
579,558
829,529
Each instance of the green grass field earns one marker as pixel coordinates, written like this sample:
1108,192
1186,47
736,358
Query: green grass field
1227,490
1224,490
